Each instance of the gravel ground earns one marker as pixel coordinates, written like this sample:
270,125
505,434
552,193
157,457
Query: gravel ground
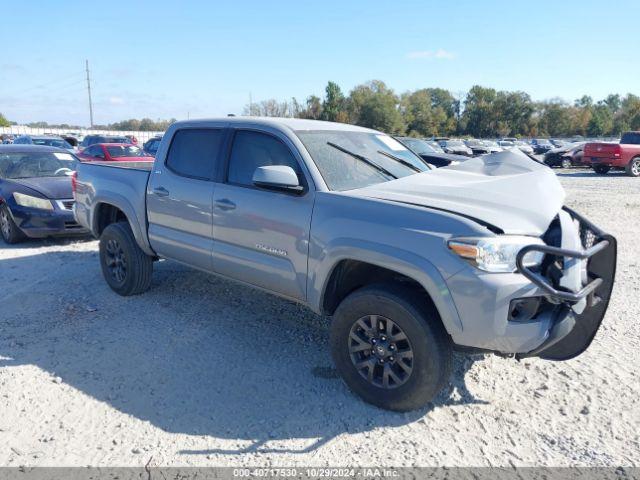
201,371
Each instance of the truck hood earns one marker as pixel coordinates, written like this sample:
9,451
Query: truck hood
507,190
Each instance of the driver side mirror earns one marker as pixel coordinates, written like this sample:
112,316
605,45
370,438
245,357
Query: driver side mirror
277,177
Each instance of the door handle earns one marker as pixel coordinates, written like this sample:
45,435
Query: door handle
161,191
225,204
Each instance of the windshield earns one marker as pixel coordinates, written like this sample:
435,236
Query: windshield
36,164
454,143
436,147
418,146
125,151
541,141
51,142
341,169
473,143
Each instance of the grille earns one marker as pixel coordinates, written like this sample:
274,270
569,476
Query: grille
65,204
587,237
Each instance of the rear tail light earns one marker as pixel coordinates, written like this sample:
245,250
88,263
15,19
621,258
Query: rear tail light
617,151
74,183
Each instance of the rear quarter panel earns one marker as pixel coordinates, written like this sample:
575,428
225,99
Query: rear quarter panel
122,186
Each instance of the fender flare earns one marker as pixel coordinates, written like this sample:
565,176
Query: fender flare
120,202
401,261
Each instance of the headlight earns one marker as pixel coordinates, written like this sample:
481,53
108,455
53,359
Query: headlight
497,254
32,202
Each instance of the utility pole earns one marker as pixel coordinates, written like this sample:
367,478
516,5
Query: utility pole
89,91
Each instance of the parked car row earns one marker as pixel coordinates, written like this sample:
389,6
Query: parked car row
34,171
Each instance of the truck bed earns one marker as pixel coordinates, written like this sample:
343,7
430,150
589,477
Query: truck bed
119,184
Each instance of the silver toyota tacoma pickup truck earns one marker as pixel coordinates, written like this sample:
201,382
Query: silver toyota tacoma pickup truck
411,262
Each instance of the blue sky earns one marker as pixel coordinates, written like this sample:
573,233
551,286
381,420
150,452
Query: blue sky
166,59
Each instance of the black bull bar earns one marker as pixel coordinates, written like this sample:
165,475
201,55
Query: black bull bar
572,333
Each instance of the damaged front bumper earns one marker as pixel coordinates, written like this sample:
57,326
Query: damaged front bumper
579,312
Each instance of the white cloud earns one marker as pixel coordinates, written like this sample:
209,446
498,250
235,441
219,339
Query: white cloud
116,100
439,54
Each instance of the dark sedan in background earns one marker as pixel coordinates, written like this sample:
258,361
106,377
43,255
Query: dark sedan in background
35,192
46,140
424,150
93,139
457,147
541,145
565,156
151,146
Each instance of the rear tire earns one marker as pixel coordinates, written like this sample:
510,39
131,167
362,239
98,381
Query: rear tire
8,228
565,163
381,315
126,268
633,167
601,169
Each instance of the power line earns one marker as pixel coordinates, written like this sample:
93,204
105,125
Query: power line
56,83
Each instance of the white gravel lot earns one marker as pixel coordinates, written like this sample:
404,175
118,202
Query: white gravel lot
201,371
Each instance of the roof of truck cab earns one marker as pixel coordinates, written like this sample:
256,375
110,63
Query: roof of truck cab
295,124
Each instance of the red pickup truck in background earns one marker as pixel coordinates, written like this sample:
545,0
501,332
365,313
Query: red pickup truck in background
602,157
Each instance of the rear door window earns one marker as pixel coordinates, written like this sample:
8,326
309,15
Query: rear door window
194,152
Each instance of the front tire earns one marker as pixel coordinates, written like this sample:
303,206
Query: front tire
126,268
633,167
8,228
390,347
601,169
565,163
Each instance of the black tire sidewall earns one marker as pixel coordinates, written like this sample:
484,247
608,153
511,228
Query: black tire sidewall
15,234
120,232
630,167
431,350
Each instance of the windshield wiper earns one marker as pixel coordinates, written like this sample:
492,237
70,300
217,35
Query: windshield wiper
364,159
400,161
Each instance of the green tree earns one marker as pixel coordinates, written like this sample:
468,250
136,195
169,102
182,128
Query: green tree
554,118
417,113
445,108
601,121
3,121
312,109
376,106
334,104
478,115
